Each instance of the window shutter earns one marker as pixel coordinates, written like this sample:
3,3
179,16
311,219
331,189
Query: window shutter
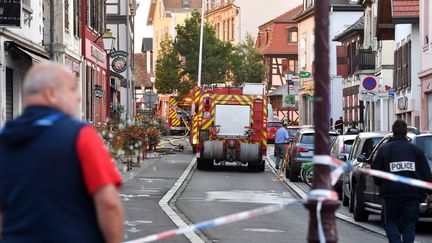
395,74
342,61
409,63
284,65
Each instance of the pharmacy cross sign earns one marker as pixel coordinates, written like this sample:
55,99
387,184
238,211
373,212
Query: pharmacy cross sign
369,83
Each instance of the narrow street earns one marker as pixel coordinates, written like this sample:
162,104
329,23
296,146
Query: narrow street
211,194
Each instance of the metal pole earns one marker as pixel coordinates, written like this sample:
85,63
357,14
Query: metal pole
127,70
321,178
201,44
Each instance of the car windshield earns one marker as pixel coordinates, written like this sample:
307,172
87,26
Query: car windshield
274,124
309,138
348,145
369,145
425,144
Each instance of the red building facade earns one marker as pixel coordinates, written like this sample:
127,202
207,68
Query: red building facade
96,79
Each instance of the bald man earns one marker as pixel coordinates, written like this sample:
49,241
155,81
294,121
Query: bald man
57,180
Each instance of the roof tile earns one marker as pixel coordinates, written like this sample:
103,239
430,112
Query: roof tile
406,8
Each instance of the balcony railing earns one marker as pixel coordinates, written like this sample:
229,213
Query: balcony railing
364,60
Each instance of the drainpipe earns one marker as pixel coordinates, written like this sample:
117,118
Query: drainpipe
128,68
52,28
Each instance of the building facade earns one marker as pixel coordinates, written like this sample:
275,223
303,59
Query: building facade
165,15
425,74
342,15
95,95
233,19
277,41
120,21
406,82
22,44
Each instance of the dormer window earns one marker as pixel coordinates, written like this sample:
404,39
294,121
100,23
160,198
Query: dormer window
293,35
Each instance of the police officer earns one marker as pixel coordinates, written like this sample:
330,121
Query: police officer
281,138
401,201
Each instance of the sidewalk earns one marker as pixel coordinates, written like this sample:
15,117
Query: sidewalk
142,190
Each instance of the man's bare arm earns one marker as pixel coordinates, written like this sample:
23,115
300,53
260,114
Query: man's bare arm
109,213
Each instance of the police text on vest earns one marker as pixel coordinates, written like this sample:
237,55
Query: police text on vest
402,166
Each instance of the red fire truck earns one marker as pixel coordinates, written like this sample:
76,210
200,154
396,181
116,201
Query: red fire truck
229,125
176,112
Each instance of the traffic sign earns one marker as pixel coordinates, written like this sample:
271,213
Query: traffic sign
369,83
305,75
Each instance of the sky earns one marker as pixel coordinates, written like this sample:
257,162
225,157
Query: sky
141,28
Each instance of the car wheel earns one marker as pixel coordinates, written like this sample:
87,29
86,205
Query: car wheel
200,164
292,175
359,212
345,199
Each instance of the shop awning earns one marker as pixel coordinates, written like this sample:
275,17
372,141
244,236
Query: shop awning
36,58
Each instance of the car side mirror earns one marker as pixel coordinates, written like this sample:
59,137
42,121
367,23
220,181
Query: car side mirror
362,158
342,157
290,140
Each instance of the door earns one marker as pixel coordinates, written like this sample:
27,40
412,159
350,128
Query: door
9,94
370,189
429,98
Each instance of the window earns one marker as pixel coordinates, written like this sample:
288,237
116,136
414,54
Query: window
66,15
293,66
228,30
224,30
232,29
9,94
185,3
402,66
267,36
292,35
77,18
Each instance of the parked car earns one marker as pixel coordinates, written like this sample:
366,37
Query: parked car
365,193
272,128
364,143
301,150
341,148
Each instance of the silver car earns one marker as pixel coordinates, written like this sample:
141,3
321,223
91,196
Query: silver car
341,148
301,150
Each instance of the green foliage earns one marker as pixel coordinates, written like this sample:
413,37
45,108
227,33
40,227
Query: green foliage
167,68
216,54
247,64
221,62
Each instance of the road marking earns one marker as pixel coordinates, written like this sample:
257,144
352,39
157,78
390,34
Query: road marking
248,196
263,230
340,216
164,203
137,222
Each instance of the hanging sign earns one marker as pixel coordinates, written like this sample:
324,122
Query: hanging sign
10,13
119,61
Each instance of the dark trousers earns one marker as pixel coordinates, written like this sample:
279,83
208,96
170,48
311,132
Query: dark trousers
401,211
280,151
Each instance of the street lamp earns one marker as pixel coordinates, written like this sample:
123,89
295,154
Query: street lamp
108,40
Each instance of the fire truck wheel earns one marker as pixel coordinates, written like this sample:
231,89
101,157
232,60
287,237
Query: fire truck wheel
193,149
200,164
261,167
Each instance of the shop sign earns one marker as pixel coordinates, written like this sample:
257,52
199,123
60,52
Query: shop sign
119,61
289,101
305,74
95,54
403,103
10,13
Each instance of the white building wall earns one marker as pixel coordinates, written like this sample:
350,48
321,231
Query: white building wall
32,29
404,33
339,21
